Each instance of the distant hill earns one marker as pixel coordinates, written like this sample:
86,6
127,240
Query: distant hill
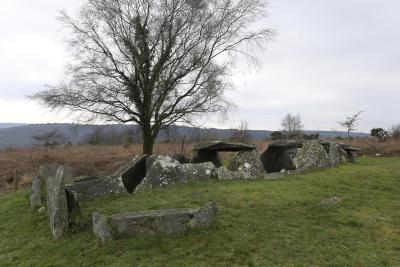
20,135
9,125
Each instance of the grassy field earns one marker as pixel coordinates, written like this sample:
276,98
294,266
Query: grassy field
260,223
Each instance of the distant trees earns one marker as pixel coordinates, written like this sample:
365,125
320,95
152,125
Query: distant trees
292,125
350,123
395,132
49,139
155,63
241,133
277,135
380,133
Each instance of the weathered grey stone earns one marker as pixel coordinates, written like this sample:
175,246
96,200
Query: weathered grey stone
224,174
57,207
162,171
311,155
133,173
36,195
101,227
334,154
92,188
247,161
158,222
74,208
200,171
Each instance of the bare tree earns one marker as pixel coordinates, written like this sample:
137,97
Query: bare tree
292,124
242,133
395,132
49,139
351,123
155,62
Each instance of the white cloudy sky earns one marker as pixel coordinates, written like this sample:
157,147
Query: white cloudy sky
330,59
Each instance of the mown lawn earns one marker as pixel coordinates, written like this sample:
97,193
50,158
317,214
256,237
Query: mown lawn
260,223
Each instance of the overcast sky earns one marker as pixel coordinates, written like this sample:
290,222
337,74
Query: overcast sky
329,59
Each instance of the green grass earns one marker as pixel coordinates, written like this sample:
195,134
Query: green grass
260,223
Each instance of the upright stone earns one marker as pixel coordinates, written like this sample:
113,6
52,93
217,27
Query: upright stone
334,154
312,155
162,171
133,173
247,161
36,195
57,206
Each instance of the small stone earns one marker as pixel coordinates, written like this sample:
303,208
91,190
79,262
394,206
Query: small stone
41,211
330,201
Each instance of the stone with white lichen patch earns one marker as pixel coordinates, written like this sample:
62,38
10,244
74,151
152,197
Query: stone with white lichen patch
248,162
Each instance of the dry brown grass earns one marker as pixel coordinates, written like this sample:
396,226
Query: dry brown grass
104,160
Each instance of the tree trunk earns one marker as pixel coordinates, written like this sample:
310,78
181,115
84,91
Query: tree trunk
149,137
148,143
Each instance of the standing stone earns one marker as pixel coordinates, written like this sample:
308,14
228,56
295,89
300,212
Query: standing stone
133,173
36,195
74,208
57,207
247,161
162,171
312,155
334,154
200,171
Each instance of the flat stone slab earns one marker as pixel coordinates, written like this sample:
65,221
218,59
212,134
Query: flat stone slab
223,146
150,223
92,188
